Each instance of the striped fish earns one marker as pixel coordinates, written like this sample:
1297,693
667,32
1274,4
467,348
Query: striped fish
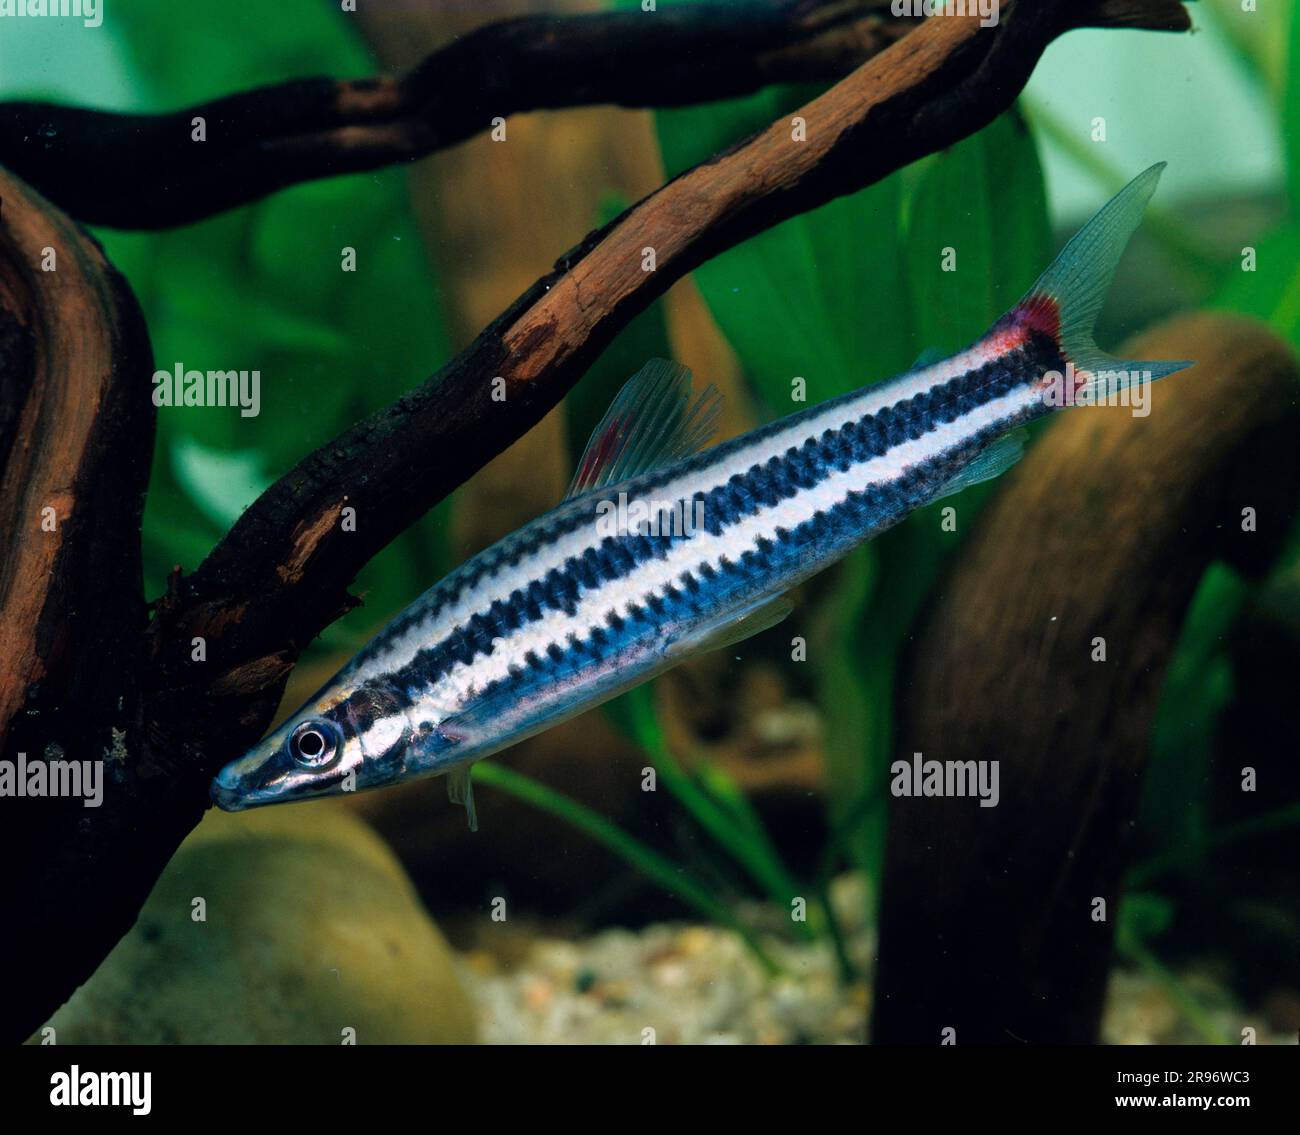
664,549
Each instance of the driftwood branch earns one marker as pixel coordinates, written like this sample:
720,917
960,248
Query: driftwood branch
1104,532
76,433
260,141
282,573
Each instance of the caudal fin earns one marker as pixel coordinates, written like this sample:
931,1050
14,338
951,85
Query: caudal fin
1066,299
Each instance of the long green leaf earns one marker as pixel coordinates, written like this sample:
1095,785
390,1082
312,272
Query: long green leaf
644,859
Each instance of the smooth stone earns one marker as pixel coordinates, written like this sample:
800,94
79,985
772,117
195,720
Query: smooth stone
312,929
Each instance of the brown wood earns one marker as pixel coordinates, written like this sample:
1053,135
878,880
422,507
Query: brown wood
1104,530
75,438
262,140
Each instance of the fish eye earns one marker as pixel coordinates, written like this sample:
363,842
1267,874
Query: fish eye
314,744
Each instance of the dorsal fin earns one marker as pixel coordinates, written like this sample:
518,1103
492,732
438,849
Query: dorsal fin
652,422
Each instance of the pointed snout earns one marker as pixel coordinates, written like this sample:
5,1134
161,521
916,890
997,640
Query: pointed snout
247,781
228,793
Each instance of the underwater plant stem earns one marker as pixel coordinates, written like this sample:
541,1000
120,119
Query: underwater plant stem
646,860
752,854
835,933
749,827
838,848
1142,874
838,844
1188,1005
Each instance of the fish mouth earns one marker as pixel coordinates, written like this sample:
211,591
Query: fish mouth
231,793
252,780
227,794
242,783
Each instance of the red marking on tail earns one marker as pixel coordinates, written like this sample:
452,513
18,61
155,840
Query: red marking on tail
1040,313
1006,336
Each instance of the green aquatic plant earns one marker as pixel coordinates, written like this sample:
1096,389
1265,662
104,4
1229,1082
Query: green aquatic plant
655,867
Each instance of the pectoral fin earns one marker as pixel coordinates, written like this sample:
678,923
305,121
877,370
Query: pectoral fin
460,790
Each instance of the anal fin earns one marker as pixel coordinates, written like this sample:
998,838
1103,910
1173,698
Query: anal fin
733,628
997,459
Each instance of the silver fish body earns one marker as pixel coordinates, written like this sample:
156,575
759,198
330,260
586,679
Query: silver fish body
588,600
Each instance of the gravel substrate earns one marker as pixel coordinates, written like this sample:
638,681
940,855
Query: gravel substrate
675,984
691,984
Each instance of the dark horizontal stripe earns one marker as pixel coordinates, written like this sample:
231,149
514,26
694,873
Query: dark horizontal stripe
763,485
692,595
548,529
